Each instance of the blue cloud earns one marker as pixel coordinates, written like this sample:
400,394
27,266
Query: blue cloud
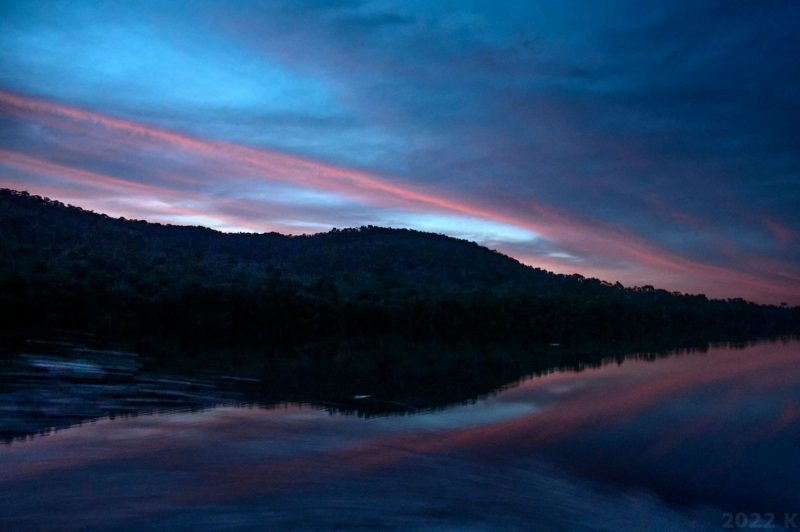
673,122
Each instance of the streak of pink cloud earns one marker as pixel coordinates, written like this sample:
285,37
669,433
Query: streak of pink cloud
591,237
783,234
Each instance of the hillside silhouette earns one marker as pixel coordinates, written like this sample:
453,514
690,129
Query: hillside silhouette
68,268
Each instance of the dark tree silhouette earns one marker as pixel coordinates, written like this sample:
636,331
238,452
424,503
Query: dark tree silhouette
65,267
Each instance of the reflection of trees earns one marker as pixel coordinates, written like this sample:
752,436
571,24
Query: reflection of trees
48,386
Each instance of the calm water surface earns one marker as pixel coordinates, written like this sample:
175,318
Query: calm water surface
662,444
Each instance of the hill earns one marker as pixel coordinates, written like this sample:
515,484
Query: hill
65,267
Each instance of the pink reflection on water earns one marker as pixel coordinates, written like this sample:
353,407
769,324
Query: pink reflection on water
226,454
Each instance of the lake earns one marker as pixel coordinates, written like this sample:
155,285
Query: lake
698,440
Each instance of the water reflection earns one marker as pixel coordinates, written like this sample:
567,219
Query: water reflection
71,378
48,385
652,443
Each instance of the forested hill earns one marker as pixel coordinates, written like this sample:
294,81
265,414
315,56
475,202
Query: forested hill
65,267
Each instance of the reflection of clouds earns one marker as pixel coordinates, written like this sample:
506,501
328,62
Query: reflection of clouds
228,454
789,415
565,388
482,413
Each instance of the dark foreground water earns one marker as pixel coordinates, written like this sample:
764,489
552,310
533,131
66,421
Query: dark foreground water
696,441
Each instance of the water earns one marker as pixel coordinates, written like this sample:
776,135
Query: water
667,443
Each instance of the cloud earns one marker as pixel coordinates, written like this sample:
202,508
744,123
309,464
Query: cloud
647,142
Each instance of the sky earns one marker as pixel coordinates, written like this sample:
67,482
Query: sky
644,142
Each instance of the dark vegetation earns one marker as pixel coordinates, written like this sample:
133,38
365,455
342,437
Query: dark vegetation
68,268
411,320
71,378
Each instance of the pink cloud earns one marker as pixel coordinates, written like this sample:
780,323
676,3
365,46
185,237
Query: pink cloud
591,238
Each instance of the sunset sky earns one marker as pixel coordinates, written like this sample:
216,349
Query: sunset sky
641,142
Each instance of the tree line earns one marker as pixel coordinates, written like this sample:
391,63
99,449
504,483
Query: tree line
65,267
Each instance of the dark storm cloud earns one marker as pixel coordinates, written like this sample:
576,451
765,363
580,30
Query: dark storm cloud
693,108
